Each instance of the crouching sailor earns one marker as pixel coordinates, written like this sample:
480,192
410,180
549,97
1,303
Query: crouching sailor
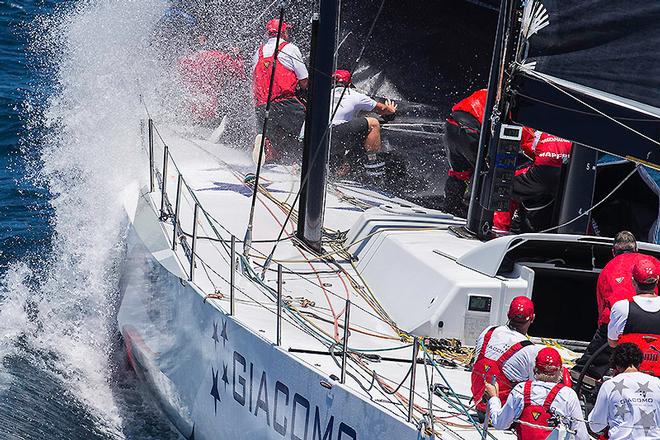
505,353
628,405
462,142
353,135
637,320
539,405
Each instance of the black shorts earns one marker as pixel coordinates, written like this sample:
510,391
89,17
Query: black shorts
349,136
284,125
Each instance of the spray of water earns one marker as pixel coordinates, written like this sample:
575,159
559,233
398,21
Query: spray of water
63,307
105,60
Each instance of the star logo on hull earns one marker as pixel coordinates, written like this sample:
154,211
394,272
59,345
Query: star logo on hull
223,333
225,378
214,389
215,333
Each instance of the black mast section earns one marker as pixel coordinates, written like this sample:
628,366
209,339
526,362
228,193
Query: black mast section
479,221
317,132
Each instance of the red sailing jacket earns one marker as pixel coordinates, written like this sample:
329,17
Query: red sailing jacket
207,72
485,368
284,84
545,149
615,283
475,104
535,414
643,329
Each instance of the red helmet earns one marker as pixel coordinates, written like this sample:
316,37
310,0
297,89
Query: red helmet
342,76
273,25
548,361
521,309
645,272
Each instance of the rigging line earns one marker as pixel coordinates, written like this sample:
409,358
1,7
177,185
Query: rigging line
306,177
582,112
556,86
247,241
603,200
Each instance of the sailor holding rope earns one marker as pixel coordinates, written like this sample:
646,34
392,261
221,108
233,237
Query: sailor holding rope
504,352
539,405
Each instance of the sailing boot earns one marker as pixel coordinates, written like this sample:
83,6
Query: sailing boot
454,197
520,224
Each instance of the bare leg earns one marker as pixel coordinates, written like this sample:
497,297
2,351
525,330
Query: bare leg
372,141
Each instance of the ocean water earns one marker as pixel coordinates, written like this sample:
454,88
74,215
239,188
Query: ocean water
68,106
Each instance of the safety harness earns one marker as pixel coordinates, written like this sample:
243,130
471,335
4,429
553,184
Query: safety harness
536,417
484,369
642,329
284,84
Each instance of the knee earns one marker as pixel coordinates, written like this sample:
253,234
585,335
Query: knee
373,124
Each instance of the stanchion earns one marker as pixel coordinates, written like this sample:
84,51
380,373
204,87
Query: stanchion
347,320
232,276
151,154
177,206
279,305
193,253
413,377
163,194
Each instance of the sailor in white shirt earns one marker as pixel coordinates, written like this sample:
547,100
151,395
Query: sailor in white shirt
629,403
352,133
539,404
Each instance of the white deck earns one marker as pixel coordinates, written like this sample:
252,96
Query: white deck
317,289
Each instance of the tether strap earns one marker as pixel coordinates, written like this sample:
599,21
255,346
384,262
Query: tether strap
551,396
489,334
512,350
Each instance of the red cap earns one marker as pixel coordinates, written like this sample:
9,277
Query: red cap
343,76
273,25
521,309
645,272
548,360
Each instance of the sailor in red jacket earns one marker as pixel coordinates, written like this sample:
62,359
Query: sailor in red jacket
536,186
287,113
461,143
615,283
637,319
539,404
505,353
209,75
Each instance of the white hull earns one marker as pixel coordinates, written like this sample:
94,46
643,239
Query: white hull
263,392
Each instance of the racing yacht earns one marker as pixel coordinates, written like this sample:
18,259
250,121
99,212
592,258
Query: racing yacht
284,304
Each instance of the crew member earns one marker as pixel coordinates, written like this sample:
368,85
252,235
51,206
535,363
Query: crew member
461,143
539,404
287,113
506,353
637,319
628,405
211,75
353,135
614,283
535,187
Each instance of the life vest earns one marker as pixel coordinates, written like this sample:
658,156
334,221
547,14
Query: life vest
475,104
545,149
535,414
485,368
642,329
284,84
